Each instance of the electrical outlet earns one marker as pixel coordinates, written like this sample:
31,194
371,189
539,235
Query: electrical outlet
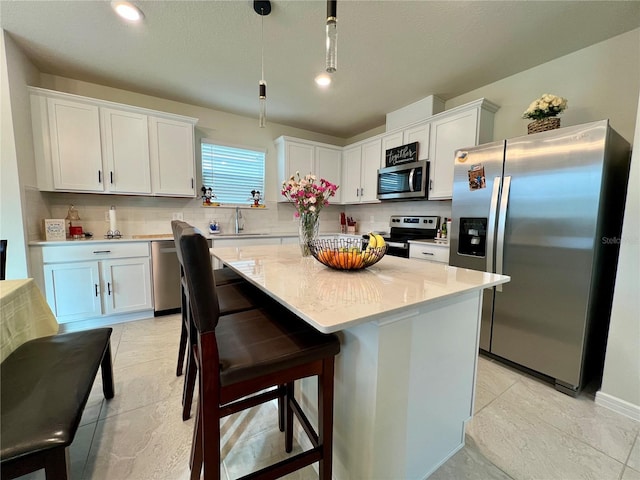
106,215
177,216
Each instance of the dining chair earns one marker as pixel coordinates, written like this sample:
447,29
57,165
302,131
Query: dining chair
248,358
235,295
3,259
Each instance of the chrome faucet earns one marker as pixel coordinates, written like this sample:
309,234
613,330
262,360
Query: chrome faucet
239,227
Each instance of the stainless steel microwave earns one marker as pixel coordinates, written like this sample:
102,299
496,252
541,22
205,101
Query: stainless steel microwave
402,182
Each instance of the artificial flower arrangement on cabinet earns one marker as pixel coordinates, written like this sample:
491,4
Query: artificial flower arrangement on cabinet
544,111
309,198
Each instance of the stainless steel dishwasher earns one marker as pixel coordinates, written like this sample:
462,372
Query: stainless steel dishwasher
166,277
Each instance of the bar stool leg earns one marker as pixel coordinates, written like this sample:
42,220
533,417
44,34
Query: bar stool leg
325,418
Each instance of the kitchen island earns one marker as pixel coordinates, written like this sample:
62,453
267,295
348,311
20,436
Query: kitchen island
405,376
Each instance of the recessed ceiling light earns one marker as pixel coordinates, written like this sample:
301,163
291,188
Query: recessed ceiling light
323,80
128,11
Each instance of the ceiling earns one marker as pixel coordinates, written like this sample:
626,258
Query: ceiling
390,53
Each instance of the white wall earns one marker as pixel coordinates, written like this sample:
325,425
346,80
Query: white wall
16,150
601,81
621,380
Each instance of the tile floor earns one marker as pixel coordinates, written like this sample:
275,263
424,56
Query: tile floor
522,429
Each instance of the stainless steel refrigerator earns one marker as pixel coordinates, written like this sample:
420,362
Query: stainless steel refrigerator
545,209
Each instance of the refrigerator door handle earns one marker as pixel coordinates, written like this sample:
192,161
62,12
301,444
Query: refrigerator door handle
493,208
411,174
502,220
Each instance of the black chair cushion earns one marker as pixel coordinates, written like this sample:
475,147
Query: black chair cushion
257,342
45,385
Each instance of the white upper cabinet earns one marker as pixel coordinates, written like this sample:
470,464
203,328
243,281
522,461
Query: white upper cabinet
126,151
305,156
360,164
329,167
76,154
86,145
172,159
416,133
464,126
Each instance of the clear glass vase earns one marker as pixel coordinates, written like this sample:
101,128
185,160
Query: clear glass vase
307,231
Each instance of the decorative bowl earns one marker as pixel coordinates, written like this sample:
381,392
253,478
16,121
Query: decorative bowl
345,254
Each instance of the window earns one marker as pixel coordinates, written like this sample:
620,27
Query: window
232,172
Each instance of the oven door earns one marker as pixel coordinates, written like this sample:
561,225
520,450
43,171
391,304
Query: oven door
403,181
397,249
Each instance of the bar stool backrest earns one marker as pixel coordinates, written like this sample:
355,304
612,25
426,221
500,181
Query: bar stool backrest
196,262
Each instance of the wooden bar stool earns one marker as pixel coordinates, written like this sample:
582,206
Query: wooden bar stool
234,295
242,354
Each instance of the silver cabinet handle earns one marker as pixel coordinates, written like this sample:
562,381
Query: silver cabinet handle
101,251
108,288
99,176
97,293
428,253
430,184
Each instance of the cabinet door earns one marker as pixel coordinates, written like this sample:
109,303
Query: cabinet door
351,174
73,290
371,162
447,135
76,154
126,285
329,166
420,134
172,159
298,158
126,148
391,140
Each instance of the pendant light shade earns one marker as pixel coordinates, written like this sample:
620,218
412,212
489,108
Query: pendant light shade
332,36
262,8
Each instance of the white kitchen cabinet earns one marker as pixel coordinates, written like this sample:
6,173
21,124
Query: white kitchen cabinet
305,156
83,144
434,252
464,126
76,154
126,151
97,279
73,290
415,133
128,285
329,166
172,159
360,164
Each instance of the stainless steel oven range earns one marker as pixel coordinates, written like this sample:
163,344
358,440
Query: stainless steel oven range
402,229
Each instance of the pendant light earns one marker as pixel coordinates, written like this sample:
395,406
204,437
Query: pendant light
262,8
332,36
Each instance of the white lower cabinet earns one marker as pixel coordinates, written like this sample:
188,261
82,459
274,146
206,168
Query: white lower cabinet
95,280
432,252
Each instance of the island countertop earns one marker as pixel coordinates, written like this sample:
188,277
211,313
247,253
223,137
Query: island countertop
332,300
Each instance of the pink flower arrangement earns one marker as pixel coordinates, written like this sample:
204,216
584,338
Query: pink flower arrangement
307,195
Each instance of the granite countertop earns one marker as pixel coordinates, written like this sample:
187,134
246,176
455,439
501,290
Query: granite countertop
332,300
160,236
169,236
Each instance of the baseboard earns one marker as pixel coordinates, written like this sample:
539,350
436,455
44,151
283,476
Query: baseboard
618,405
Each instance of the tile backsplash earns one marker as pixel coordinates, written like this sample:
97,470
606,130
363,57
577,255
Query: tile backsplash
138,215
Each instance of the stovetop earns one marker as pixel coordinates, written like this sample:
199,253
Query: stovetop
405,228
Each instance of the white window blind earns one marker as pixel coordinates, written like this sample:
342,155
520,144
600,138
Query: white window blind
232,172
